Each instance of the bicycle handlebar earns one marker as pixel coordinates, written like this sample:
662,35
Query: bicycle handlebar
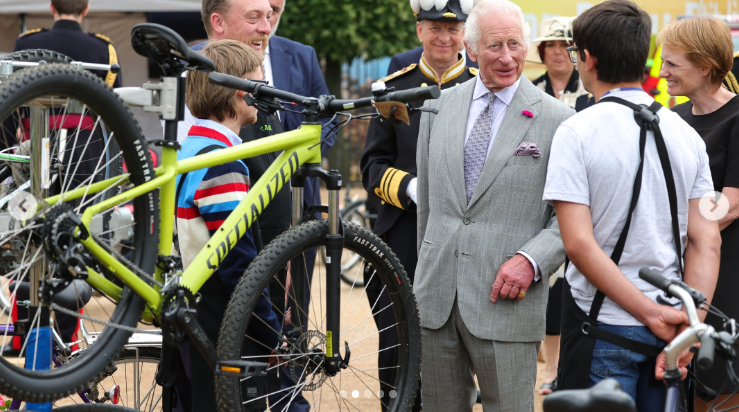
326,104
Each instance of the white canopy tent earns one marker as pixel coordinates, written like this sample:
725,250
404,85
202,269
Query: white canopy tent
42,6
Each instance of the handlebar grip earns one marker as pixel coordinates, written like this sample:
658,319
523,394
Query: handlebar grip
232,82
654,279
412,95
706,351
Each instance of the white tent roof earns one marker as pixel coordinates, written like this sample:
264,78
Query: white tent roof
42,6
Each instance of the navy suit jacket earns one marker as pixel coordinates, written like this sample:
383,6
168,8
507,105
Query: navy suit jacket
405,59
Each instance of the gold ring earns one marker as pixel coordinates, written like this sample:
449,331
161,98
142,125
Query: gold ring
522,293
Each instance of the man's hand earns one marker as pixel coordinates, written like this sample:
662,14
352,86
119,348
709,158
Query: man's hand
682,364
514,277
665,321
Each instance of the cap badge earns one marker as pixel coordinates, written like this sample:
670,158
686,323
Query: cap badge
450,15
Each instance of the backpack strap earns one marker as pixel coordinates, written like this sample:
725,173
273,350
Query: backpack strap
647,119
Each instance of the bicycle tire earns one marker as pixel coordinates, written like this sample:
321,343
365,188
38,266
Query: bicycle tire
279,253
37,55
66,80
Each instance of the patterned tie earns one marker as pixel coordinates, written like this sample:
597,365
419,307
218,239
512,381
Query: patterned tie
476,149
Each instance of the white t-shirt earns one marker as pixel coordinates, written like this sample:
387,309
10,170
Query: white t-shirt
593,161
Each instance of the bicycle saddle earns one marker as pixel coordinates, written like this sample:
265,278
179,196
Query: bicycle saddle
606,396
73,297
168,49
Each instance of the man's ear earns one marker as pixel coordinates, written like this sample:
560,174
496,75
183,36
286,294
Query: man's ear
419,30
217,23
52,8
85,11
472,55
591,63
240,94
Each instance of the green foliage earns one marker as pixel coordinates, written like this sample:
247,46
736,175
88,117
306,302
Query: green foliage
341,30
5,404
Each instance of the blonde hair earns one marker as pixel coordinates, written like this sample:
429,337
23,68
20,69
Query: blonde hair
706,42
230,57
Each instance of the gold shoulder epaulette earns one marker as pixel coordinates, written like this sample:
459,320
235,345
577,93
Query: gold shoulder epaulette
736,54
474,71
102,37
399,73
27,32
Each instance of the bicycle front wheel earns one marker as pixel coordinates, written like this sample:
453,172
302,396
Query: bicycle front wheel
360,385
74,111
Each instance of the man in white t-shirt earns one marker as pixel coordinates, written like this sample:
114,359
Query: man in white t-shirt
591,175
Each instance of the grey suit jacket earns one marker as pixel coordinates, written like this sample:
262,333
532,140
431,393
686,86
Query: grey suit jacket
461,246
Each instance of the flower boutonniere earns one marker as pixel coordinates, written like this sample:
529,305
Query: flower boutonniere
527,114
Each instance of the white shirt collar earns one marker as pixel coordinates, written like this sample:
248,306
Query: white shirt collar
505,95
266,50
210,124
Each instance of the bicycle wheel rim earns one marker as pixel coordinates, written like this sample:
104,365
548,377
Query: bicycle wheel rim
101,103
357,386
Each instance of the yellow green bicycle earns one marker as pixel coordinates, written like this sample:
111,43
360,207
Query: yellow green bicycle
75,231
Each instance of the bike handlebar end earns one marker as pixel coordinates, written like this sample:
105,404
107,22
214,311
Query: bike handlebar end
654,279
706,351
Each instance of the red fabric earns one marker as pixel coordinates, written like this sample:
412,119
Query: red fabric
220,189
187,212
210,133
69,121
213,225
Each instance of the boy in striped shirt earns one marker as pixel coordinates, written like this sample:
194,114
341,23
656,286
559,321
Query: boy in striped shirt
205,199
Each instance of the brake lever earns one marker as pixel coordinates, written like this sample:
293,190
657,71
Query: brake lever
423,109
269,106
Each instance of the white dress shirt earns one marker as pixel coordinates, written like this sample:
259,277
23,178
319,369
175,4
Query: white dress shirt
268,67
480,98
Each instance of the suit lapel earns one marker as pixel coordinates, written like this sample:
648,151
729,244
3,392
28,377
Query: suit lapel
510,134
459,109
281,59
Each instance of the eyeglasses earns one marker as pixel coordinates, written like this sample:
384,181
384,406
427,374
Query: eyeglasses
572,52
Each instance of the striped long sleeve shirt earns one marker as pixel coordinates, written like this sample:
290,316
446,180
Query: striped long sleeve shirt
205,200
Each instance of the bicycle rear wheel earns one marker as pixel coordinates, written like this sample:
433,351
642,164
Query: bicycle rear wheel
356,387
65,95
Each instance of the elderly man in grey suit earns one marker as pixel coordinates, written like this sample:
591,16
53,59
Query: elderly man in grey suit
487,242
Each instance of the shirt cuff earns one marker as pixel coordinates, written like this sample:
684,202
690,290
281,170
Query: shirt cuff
537,272
410,190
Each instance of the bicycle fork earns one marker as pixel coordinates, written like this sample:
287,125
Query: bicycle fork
334,246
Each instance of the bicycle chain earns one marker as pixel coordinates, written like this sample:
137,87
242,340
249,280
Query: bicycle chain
127,262
66,311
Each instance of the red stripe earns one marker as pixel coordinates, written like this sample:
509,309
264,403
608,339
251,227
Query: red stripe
188,212
56,121
221,189
210,133
213,225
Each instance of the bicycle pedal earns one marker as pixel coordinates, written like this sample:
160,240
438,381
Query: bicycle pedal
241,368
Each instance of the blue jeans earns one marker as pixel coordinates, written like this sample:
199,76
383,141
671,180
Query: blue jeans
632,370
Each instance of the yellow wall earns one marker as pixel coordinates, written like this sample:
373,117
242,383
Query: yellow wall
661,11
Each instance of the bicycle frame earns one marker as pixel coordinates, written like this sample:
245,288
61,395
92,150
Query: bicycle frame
299,147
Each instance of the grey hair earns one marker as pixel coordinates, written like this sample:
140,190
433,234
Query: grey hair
492,7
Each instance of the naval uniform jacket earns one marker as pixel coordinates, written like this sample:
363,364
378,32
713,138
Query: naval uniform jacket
66,37
389,160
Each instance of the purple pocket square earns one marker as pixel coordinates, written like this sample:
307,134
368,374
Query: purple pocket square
527,149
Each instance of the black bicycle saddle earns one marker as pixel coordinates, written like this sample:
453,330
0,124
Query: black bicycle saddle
168,49
606,396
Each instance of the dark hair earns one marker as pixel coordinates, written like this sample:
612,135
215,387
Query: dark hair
617,33
208,7
541,48
74,7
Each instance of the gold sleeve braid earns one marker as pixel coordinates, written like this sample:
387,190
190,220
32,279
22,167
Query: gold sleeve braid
112,59
732,82
390,186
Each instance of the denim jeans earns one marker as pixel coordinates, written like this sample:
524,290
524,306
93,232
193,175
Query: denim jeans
632,370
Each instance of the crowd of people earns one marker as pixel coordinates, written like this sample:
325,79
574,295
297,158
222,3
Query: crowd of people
521,210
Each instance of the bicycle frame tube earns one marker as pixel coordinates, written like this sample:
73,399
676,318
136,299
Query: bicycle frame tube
300,146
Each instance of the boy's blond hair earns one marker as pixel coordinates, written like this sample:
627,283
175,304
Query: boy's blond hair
230,57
